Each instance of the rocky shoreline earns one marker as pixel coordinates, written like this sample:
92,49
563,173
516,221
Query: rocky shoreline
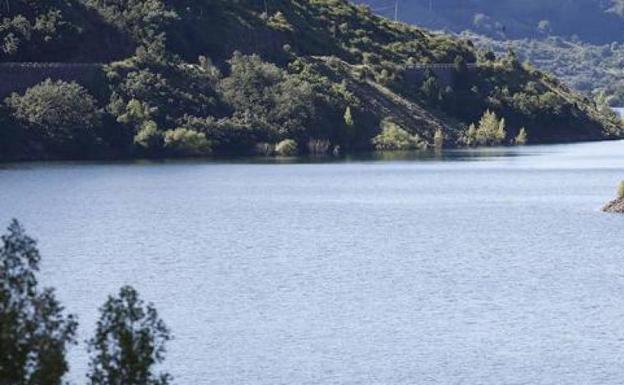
616,206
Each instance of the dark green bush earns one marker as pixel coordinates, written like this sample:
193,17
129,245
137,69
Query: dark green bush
61,116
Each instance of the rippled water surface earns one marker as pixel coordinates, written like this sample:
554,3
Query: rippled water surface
492,267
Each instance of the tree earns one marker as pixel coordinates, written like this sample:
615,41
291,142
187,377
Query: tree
350,129
348,117
262,94
459,64
438,139
148,137
430,88
501,132
143,19
129,340
184,141
522,137
395,138
490,131
287,147
62,116
34,330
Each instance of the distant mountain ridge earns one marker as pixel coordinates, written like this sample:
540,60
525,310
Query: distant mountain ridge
595,21
580,41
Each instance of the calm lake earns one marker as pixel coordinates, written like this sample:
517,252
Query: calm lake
478,267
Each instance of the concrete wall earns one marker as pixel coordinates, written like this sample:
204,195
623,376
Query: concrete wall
18,77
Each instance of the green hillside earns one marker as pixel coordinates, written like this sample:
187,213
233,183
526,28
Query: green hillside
194,78
594,21
581,41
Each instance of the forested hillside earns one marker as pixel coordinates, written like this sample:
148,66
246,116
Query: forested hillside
594,21
580,41
200,77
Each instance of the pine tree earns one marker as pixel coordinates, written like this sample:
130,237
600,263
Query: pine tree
34,331
487,129
501,134
521,138
129,340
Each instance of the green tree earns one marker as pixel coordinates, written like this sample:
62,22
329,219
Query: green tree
522,137
148,136
348,118
287,147
470,136
34,330
395,138
490,131
129,341
430,89
459,64
264,95
350,129
143,19
186,142
62,116
438,139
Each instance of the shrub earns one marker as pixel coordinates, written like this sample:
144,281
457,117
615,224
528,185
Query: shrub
264,149
262,94
490,131
522,137
438,139
184,141
395,138
348,118
62,116
287,147
621,190
279,22
430,90
148,136
318,146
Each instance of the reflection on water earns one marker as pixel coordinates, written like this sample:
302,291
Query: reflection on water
487,266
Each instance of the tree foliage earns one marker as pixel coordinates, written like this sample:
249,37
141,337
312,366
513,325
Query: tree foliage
129,341
395,138
183,141
266,96
144,19
34,329
489,131
224,76
287,147
62,116
522,137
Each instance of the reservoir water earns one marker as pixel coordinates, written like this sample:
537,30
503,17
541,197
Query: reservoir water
475,267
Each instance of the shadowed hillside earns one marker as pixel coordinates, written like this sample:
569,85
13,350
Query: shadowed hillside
579,41
270,77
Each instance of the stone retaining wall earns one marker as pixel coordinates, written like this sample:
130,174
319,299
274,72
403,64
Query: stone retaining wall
18,77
